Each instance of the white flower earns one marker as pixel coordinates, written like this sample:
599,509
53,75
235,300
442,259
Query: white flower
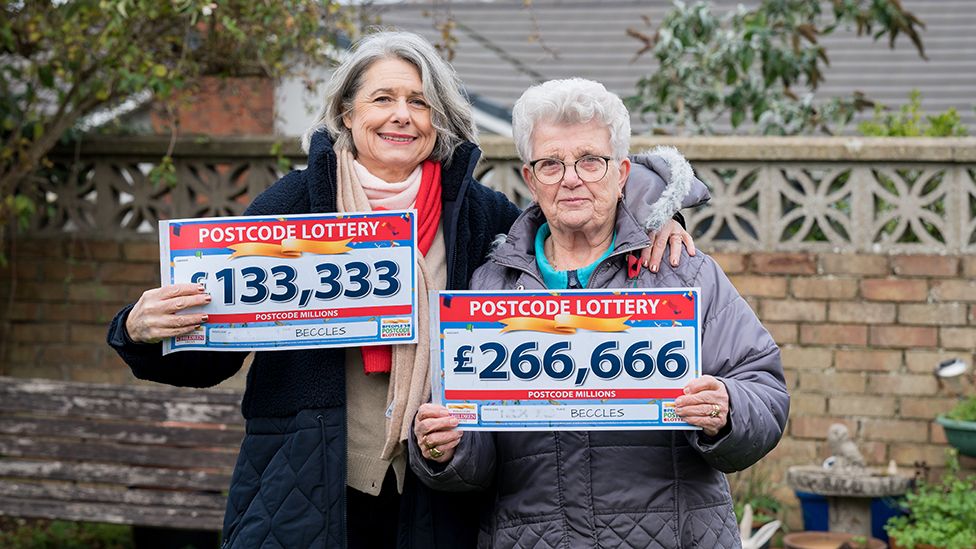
209,9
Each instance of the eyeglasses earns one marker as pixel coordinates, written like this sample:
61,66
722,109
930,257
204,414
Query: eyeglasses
590,168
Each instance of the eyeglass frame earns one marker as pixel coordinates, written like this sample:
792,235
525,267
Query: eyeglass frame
606,168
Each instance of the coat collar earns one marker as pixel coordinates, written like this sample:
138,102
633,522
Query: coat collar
518,249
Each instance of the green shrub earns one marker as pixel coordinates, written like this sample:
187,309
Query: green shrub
941,514
59,534
907,122
965,410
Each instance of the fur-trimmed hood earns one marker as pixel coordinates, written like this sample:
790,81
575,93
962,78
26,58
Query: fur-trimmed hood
662,182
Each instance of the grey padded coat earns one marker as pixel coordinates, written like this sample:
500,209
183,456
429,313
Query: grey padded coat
648,489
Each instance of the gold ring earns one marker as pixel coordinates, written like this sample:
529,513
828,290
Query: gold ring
715,410
435,453
427,444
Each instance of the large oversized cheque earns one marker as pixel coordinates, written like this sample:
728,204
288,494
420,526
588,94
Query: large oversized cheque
297,281
567,360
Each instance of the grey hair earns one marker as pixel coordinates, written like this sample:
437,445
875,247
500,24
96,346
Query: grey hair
570,101
450,111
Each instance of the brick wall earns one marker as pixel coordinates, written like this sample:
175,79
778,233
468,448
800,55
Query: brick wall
223,106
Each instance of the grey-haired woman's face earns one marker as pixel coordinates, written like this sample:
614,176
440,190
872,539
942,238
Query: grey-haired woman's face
390,120
572,204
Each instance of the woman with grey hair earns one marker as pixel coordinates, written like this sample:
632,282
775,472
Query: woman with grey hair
323,462
663,489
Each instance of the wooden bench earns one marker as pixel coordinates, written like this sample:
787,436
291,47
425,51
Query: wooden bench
148,456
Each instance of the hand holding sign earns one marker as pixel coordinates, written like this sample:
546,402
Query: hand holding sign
705,404
154,317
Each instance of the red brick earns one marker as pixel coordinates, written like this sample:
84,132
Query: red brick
79,312
902,384
141,251
799,358
925,407
87,333
969,266
856,311
895,430
29,269
816,426
98,250
42,371
868,360
783,332
731,263
808,404
829,287
830,383
958,338
761,286
69,271
792,310
833,334
37,248
923,361
783,263
940,314
893,289
860,405
39,333
224,106
98,375
22,353
954,290
72,355
141,273
793,451
903,336
906,455
92,291
21,311
936,433
40,291
856,264
925,265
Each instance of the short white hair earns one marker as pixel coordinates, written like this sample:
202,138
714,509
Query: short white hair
570,101
450,111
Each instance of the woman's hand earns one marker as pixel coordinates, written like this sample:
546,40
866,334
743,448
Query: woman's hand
435,429
705,404
154,316
672,232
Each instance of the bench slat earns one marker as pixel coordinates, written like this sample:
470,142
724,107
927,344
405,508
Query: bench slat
184,458
146,477
14,402
114,513
150,434
76,493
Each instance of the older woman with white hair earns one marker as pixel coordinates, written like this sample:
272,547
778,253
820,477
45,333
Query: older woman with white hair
662,489
323,462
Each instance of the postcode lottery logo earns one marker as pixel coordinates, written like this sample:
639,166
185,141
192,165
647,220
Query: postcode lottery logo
395,327
668,414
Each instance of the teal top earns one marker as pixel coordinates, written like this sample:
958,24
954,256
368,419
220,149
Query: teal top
559,280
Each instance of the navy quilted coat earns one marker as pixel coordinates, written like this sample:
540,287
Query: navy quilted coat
289,485
648,489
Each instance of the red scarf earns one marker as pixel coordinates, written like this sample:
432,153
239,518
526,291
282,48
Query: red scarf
378,359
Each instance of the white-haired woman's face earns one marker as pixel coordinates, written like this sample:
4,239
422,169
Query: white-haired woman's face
572,204
390,120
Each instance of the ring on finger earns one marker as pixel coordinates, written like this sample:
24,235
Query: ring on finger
435,453
716,409
427,443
